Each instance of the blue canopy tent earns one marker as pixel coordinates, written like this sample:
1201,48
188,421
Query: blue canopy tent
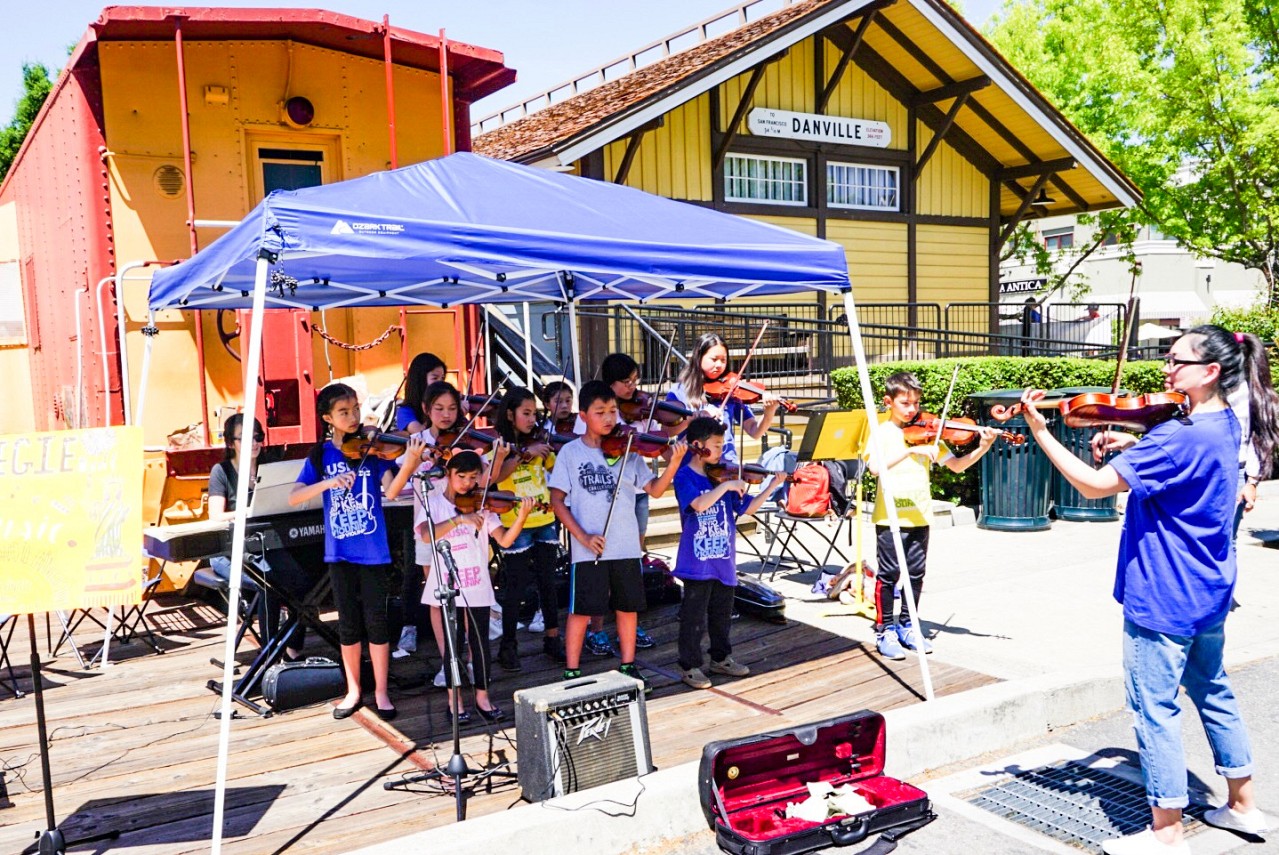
467,229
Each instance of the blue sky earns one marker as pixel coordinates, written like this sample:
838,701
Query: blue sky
547,41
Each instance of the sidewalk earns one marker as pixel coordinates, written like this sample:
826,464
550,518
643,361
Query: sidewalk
1031,608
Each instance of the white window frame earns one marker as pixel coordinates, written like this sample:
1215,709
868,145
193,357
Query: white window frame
1058,233
896,205
747,180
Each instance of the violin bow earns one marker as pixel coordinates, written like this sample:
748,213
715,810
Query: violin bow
475,356
728,396
1127,336
945,408
630,439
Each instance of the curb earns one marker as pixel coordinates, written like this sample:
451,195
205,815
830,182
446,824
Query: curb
634,814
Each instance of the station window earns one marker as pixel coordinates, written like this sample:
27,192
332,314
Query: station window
857,185
1059,238
770,180
13,329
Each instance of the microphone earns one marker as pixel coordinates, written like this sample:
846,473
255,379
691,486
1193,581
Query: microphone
435,472
445,550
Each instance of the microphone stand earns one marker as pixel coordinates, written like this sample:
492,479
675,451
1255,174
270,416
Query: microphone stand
447,592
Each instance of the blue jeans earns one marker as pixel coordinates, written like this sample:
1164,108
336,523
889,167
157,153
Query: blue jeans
1155,665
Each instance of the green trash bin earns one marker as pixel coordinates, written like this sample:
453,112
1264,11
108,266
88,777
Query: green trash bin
1015,479
1069,503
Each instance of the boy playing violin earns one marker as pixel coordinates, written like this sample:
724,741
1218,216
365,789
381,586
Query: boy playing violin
707,559
912,496
585,487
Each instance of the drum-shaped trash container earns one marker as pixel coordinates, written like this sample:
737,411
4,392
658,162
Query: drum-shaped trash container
1016,480
1069,503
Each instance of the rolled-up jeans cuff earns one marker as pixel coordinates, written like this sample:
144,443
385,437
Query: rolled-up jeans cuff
1170,803
1235,773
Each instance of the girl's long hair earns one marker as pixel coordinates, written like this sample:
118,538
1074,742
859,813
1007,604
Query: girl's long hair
504,419
324,404
432,394
691,376
1243,360
415,384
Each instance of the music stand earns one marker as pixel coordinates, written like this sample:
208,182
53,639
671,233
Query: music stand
839,435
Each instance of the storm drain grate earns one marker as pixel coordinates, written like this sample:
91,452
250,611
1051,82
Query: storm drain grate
1071,803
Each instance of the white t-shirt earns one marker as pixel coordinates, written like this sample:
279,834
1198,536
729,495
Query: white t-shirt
470,552
588,479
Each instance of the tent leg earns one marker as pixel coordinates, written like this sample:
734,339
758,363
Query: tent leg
574,344
894,524
251,368
528,347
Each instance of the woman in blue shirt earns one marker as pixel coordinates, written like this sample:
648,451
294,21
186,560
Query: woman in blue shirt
1176,574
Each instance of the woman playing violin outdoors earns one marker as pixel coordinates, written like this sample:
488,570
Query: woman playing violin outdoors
708,362
1176,573
535,552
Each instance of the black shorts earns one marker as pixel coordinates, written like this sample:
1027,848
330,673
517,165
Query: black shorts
614,584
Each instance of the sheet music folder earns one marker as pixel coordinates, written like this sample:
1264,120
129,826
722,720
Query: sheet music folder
835,435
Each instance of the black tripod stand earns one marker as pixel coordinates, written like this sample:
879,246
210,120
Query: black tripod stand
51,841
447,594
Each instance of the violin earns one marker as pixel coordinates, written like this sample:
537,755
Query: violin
555,440
1097,409
388,446
752,473
480,406
745,391
644,444
923,429
666,414
466,437
497,501
567,425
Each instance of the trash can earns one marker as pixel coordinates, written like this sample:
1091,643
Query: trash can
1069,503
1015,479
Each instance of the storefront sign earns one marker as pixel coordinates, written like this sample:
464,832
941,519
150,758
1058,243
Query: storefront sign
817,128
1022,286
70,519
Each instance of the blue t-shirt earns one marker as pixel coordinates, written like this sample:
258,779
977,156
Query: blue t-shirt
354,527
708,541
1176,568
404,416
732,412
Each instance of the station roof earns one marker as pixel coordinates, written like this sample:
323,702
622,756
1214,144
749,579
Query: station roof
476,71
918,50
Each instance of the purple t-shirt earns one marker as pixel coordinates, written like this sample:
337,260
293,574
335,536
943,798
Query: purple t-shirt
1176,569
708,541
354,527
733,412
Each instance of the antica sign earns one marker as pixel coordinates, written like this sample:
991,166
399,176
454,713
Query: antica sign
817,128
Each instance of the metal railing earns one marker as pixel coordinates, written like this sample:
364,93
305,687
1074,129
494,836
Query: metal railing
689,37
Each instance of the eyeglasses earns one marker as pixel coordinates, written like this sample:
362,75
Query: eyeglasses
1174,361
257,437
630,381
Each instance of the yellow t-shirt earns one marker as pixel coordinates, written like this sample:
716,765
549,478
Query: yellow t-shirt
529,479
912,493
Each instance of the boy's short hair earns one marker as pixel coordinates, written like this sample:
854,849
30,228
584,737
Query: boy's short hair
465,461
616,367
550,390
900,383
592,391
703,428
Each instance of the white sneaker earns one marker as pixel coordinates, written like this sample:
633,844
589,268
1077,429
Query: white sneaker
1143,843
537,624
440,680
1253,822
400,653
495,624
408,640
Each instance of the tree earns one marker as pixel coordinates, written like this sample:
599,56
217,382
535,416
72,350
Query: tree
36,86
1182,95
1062,273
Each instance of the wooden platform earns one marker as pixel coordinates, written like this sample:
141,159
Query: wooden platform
133,748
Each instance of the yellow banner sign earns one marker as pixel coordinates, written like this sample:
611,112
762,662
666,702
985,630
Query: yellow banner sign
70,519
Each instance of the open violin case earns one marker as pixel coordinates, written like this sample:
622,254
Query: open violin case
746,784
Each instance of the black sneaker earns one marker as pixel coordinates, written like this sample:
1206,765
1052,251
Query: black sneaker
508,657
634,673
571,674
554,648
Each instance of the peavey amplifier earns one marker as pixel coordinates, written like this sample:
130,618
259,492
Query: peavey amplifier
580,734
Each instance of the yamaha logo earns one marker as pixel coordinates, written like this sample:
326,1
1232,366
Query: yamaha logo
596,728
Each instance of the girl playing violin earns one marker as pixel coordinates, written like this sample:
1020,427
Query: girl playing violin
424,370
1176,574
536,551
467,536
707,362
557,397
355,544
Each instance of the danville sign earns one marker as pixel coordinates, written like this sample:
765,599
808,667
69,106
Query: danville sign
817,128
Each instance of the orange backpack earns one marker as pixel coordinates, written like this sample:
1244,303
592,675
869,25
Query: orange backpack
809,494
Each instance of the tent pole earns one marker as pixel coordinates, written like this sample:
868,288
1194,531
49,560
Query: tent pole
574,344
894,523
149,331
251,367
528,346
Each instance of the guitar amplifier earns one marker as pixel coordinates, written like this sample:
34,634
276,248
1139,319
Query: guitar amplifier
580,734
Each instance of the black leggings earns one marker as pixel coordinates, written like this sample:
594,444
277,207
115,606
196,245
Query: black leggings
360,592
707,606
473,624
538,561
915,545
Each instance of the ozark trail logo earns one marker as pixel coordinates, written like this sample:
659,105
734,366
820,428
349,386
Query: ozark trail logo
596,728
342,227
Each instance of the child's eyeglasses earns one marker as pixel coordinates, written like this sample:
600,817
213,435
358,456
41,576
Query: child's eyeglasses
1173,361
257,437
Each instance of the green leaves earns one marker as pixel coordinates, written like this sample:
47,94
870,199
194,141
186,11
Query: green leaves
36,87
